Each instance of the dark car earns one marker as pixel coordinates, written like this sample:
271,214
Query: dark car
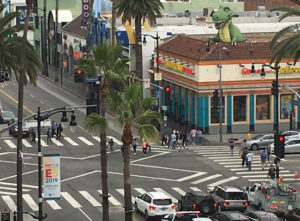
197,201
230,216
261,216
8,116
292,215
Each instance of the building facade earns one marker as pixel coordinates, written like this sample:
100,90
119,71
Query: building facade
252,5
193,74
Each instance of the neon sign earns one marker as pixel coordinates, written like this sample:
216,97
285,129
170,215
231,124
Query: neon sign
174,66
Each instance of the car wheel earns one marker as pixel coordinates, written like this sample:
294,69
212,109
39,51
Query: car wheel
136,207
219,208
254,147
147,216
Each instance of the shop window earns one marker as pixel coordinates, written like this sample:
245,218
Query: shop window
239,108
215,112
285,106
263,107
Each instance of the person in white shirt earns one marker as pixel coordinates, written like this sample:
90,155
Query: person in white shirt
249,157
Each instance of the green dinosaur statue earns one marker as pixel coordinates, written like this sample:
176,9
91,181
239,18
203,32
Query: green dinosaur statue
227,32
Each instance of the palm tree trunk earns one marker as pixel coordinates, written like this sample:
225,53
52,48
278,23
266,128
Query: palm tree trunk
44,45
113,22
56,40
104,178
138,50
127,139
20,115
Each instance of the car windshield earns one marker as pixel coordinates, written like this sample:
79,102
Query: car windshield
161,202
257,137
7,114
235,196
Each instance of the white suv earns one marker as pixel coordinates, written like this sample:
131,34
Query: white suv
153,204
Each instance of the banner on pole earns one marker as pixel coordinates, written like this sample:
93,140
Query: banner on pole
157,76
51,175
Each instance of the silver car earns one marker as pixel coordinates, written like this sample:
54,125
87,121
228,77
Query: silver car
260,141
290,134
291,146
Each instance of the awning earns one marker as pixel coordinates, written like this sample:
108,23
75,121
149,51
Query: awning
63,16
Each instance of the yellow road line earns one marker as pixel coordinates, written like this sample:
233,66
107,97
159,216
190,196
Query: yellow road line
14,100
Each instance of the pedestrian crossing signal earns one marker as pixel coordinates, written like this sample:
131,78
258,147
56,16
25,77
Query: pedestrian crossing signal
279,145
167,95
78,76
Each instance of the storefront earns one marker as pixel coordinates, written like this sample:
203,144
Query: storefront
193,74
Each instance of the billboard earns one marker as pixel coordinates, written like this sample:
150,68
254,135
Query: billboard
20,19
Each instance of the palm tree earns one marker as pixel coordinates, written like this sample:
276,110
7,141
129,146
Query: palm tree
130,109
138,10
113,20
108,64
289,46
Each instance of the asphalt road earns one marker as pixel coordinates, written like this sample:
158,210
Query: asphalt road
175,172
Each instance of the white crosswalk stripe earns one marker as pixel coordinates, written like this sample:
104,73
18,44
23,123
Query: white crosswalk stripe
223,181
140,190
206,179
115,140
179,190
26,143
43,143
10,143
53,204
191,176
195,189
57,143
112,199
10,203
97,138
28,199
121,191
86,141
72,142
90,198
174,200
70,200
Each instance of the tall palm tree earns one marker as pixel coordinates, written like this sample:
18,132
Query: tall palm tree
108,64
113,20
286,44
138,10
130,108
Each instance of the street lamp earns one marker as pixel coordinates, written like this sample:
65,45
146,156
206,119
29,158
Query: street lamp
221,92
39,118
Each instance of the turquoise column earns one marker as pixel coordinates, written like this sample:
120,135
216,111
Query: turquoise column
173,100
251,112
229,114
298,110
186,99
179,102
200,122
206,116
193,109
163,94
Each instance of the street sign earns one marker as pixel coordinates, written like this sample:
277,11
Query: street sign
294,102
146,83
157,76
164,107
91,79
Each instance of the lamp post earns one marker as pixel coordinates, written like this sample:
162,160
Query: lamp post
276,112
157,58
44,41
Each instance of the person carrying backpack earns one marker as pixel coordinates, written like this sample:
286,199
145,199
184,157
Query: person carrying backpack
144,147
111,145
134,145
271,172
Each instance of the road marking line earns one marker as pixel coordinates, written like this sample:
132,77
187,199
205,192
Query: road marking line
26,143
10,203
140,190
191,176
228,163
229,160
43,143
68,139
229,157
207,178
165,168
174,200
253,176
8,193
252,165
246,169
56,142
23,185
53,204
121,191
28,199
178,190
84,140
115,140
13,189
10,143
195,189
223,181
257,172
145,158
90,198
97,138
70,200
112,199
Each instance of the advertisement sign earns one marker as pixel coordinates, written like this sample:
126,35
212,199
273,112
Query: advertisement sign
146,83
85,12
20,19
51,175
285,106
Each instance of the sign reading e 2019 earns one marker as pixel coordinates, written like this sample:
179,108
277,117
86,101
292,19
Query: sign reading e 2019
51,175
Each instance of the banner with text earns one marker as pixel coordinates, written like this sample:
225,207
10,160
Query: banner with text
51,175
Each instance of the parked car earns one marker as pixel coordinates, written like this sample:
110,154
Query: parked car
260,141
290,134
8,116
197,201
229,198
261,216
184,216
291,146
230,216
292,214
154,204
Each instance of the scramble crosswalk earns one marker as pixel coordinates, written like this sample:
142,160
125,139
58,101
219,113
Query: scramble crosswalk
222,156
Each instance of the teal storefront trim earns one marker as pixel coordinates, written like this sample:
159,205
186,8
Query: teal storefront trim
179,103
163,94
200,116
229,114
206,112
298,118
251,112
173,101
186,99
192,110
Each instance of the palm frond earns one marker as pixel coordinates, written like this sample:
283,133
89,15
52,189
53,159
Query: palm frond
148,132
281,33
95,121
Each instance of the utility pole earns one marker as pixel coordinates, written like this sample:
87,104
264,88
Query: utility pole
56,62
44,38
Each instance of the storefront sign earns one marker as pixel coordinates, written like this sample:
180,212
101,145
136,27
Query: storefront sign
257,71
177,67
51,175
288,70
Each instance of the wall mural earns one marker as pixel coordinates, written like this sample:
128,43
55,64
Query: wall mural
227,32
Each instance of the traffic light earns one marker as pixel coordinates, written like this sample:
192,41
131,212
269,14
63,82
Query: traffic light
8,35
78,76
167,95
215,99
274,89
279,145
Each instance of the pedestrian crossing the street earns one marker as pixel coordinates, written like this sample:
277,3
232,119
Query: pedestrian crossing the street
222,156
